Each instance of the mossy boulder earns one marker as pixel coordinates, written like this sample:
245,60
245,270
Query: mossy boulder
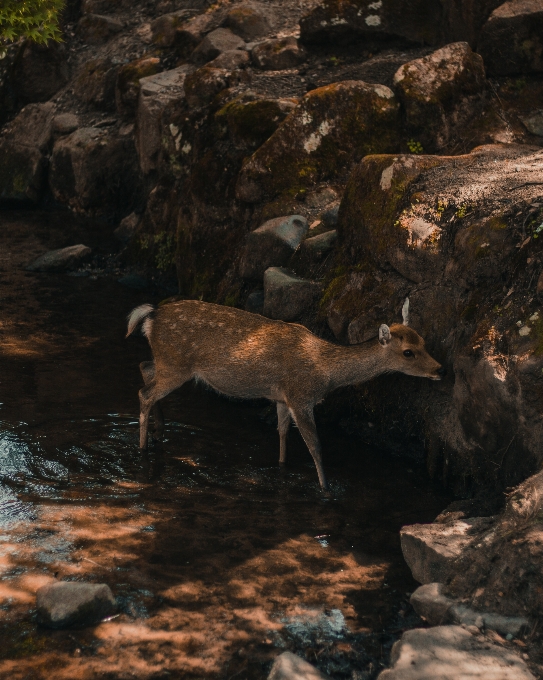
332,128
202,86
511,41
95,84
127,87
247,22
165,29
440,93
95,171
277,54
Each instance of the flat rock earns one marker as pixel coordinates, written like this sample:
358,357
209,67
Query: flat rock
511,41
272,244
97,28
288,666
218,41
66,604
62,259
431,550
452,653
247,22
287,296
440,92
277,54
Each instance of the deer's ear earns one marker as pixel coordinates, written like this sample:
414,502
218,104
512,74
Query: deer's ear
384,335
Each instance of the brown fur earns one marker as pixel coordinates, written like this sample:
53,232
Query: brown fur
246,355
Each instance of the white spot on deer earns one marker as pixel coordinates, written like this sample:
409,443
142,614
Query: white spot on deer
373,20
186,147
174,130
313,142
421,231
386,178
338,21
147,327
306,118
376,5
525,330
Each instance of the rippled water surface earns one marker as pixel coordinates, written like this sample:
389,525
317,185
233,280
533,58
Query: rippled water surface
218,559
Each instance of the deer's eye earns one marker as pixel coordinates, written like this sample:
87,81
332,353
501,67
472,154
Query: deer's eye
408,353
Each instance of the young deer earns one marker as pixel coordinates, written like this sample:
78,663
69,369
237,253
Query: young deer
245,355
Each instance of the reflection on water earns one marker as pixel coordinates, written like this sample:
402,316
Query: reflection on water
219,560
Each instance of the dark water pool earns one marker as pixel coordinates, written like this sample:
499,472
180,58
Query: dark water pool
218,559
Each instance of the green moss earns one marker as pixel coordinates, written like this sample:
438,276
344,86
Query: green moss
252,122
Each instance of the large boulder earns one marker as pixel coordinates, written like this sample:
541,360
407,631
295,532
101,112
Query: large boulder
24,145
94,171
40,71
287,296
331,129
440,93
155,93
271,245
95,84
452,653
511,41
65,604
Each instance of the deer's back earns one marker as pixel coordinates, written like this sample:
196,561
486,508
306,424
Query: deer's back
236,352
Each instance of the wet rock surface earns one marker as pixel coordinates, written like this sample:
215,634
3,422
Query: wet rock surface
61,605
58,260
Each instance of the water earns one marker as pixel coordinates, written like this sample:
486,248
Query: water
218,559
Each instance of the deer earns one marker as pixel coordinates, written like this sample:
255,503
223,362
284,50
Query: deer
245,355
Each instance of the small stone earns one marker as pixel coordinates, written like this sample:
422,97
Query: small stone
288,666
65,123
277,54
65,604
62,259
430,603
287,296
218,41
317,247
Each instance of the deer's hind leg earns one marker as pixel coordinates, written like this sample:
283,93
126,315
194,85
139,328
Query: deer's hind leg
283,423
305,420
149,395
147,369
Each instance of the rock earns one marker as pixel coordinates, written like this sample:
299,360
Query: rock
60,260
65,604
127,228
95,84
272,244
329,217
190,34
287,296
95,171
320,198
127,87
317,247
101,6
533,122
202,86
431,604
288,666
218,41
511,41
331,128
97,28
277,54
164,29
431,550
155,93
65,123
255,302
440,93
452,653
247,22
39,72
230,60
23,148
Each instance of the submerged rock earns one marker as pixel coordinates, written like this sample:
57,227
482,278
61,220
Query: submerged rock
452,653
287,296
288,666
66,604
272,244
62,259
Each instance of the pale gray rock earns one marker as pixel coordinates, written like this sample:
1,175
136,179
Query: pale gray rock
277,54
287,296
65,604
431,550
534,123
155,93
452,653
272,244
61,259
65,123
511,41
97,28
218,41
288,666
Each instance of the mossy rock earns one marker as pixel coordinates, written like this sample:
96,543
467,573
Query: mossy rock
128,83
330,130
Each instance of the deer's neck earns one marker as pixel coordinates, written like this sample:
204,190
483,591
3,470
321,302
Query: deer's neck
352,365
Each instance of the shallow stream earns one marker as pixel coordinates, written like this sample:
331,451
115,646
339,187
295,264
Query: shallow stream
218,559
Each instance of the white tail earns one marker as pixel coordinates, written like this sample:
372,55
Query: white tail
246,355
405,312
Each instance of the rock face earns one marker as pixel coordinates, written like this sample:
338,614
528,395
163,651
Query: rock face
66,604
59,260
94,171
511,40
272,244
288,666
451,653
330,129
287,296
23,149
440,93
